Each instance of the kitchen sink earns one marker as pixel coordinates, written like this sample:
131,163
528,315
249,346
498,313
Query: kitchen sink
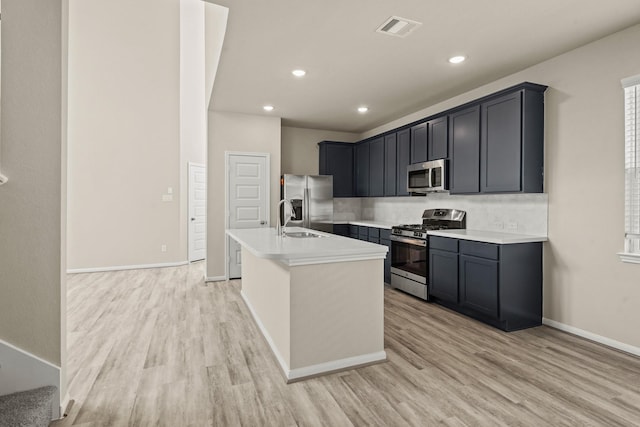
300,234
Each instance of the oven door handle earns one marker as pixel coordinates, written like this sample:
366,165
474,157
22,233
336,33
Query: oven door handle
409,240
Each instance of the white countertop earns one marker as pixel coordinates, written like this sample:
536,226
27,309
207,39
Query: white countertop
488,236
292,251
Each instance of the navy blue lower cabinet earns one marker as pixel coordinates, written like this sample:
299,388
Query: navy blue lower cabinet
500,285
363,233
443,275
479,285
341,229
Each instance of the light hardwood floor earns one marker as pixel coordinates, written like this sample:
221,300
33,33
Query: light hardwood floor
160,347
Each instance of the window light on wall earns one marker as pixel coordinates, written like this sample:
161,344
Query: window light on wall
631,87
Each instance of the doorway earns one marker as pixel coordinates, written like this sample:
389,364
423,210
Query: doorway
197,222
247,204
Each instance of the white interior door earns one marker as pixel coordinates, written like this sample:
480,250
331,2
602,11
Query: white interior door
197,231
248,200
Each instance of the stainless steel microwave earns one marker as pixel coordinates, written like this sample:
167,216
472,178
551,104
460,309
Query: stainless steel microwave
427,177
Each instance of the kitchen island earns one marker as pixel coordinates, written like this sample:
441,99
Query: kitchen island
318,301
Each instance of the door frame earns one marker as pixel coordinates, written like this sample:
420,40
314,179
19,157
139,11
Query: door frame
227,214
189,216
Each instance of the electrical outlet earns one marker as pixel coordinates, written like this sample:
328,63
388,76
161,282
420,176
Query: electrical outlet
163,248
167,198
498,225
512,226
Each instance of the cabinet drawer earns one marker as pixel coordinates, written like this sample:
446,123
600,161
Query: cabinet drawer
385,234
374,232
362,231
374,239
443,243
353,231
479,249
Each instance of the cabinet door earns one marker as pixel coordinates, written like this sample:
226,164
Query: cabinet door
443,275
419,143
363,233
341,229
337,159
464,151
362,169
501,144
390,164
403,142
479,285
438,138
376,167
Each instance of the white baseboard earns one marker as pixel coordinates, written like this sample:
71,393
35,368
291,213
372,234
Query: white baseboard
215,279
627,348
126,267
313,370
336,365
64,405
21,371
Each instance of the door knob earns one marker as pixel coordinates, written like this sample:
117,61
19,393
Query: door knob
263,222
193,219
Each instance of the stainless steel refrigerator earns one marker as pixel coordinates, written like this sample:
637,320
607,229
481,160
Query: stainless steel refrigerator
312,200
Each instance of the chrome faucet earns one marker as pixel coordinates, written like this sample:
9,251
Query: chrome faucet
287,216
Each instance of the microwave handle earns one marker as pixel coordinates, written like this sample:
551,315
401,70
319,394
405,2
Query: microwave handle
429,178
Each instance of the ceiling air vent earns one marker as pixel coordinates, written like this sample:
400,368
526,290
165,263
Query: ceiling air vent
398,27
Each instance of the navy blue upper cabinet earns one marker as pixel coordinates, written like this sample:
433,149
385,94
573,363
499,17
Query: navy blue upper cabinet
362,169
464,151
438,138
419,143
494,144
390,164
336,158
512,143
376,167
403,159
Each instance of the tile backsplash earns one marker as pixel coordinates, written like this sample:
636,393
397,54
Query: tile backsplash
508,213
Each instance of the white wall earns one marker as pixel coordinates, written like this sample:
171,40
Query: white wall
300,148
585,284
124,133
236,132
215,27
32,237
193,105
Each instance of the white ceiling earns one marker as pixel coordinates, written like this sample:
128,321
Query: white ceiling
348,64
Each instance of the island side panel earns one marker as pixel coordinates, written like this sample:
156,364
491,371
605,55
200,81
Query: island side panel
337,312
265,289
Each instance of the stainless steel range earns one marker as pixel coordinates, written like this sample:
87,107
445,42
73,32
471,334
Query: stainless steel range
410,249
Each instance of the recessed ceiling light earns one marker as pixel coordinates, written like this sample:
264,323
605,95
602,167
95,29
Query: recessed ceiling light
299,73
363,109
457,59
268,108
